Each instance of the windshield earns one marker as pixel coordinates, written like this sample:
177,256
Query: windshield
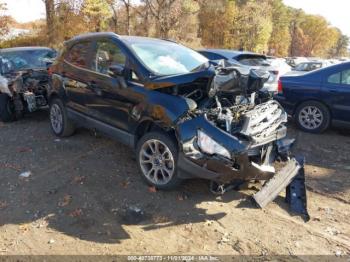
29,59
167,58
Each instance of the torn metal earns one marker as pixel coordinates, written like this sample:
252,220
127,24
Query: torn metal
234,132
26,90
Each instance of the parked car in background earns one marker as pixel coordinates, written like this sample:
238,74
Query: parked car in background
24,80
308,66
161,99
318,99
294,61
251,60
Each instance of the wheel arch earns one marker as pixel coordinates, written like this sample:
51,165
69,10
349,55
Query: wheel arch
149,125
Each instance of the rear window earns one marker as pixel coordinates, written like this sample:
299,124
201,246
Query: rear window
78,55
252,60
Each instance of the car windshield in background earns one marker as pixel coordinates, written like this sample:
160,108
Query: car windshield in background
167,58
29,59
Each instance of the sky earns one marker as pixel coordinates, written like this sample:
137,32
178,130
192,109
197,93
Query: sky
25,10
335,11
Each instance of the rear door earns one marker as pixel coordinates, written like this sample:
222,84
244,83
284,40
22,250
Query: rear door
75,75
337,88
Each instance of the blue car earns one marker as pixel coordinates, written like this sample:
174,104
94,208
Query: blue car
318,99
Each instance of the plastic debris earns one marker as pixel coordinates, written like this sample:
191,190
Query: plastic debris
51,241
25,174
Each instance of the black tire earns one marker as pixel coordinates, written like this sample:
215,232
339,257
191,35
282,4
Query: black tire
58,111
170,179
7,111
318,109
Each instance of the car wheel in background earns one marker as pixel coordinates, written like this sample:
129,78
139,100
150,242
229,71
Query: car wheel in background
157,156
313,117
61,125
7,111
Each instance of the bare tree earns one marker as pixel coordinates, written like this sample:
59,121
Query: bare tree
127,6
50,20
166,13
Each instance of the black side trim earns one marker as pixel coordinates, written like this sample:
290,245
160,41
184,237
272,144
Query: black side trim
339,123
113,132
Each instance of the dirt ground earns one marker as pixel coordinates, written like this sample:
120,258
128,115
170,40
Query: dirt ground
85,196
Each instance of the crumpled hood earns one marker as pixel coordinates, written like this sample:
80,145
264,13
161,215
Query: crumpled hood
173,80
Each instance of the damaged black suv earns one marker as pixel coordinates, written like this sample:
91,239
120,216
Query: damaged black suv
184,117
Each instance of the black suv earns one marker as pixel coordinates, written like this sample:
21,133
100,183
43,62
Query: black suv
165,101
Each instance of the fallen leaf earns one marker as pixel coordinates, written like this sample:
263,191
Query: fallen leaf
66,201
3,204
182,197
125,184
10,166
152,189
79,179
76,213
24,149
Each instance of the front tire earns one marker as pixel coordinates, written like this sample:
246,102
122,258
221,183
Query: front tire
7,111
157,157
61,125
312,117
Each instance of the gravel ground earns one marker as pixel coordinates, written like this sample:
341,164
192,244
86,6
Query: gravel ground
84,195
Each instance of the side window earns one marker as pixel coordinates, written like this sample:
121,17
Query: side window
107,54
345,77
78,54
334,79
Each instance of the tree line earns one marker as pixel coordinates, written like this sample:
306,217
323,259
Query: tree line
264,26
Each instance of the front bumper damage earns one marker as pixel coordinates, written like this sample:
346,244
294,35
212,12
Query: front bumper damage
252,158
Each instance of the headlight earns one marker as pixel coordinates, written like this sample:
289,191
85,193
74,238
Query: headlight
209,146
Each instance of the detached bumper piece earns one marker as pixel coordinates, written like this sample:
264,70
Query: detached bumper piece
292,178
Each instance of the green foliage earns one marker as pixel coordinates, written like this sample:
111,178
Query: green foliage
96,13
279,42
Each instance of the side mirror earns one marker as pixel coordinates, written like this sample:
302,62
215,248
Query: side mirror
116,70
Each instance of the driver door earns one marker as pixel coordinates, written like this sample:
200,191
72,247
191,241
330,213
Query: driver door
107,97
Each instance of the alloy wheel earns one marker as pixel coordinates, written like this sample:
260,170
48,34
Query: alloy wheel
157,162
310,117
56,118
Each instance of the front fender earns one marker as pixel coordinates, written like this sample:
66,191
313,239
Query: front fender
159,107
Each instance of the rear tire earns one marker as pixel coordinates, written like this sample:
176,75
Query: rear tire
7,110
157,158
61,125
312,117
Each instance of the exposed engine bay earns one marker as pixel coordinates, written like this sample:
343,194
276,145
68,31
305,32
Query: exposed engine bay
26,91
234,132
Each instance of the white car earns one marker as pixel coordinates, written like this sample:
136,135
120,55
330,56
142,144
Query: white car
278,67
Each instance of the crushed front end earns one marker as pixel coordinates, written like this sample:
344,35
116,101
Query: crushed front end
241,142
